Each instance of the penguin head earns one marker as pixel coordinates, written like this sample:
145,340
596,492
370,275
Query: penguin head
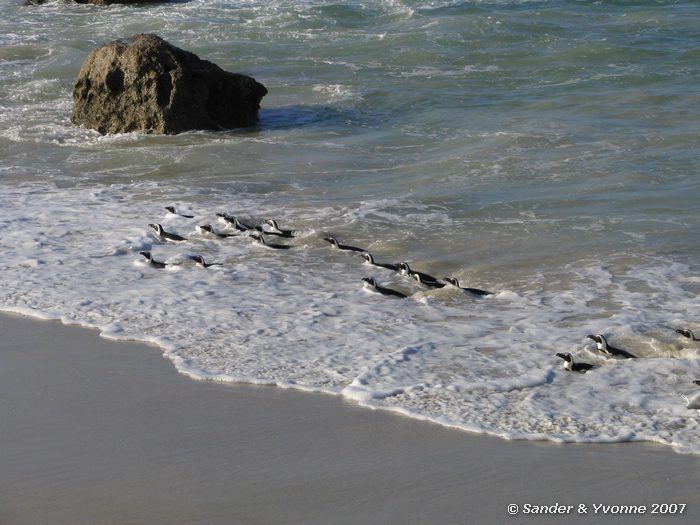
272,223
697,382
600,340
206,228
331,240
686,333
258,228
370,281
198,259
566,357
258,237
147,255
404,267
171,209
452,280
157,227
368,257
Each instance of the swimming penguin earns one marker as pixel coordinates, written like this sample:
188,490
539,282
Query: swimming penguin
233,221
572,366
199,261
152,261
604,347
336,244
171,209
431,284
259,238
276,230
697,381
208,228
368,257
166,236
454,282
405,269
381,289
687,333
260,229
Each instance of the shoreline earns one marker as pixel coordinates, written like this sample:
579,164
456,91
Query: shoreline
102,431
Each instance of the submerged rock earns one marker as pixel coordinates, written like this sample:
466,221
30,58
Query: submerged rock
145,83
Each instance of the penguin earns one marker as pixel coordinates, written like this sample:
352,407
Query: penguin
368,257
208,228
383,290
276,230
199,261
260,229
152,261
572,366
430,284
697,381
336,244
171,209
259,238
405,269
604,347
166,236
687,333
454,282
233,221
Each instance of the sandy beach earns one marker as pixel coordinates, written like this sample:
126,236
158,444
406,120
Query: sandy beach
101,432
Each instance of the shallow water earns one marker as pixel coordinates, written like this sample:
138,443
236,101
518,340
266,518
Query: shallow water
545,151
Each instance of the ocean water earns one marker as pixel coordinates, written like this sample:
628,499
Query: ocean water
543,150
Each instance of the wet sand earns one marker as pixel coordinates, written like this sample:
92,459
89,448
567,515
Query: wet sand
100,432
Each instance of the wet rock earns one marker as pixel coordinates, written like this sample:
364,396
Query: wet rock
144,83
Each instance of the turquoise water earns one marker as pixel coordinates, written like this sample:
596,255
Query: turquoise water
543,150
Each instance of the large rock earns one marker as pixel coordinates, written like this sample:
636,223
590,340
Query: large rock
145,83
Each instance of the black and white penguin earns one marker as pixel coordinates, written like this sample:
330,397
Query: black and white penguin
382,289
572,366
166,236
259,238
199,261
171,209
259,228
687,333
405,269
276,230
152,261
697,381
476,291
209,229
233,221
604,347
334,242
431,284
368,257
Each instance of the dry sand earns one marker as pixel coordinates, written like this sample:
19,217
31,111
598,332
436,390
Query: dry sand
97,432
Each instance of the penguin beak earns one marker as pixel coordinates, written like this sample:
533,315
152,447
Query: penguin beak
561,356
592,337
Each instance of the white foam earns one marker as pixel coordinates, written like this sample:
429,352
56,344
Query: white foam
300,319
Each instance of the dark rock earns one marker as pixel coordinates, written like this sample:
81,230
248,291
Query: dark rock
145,83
